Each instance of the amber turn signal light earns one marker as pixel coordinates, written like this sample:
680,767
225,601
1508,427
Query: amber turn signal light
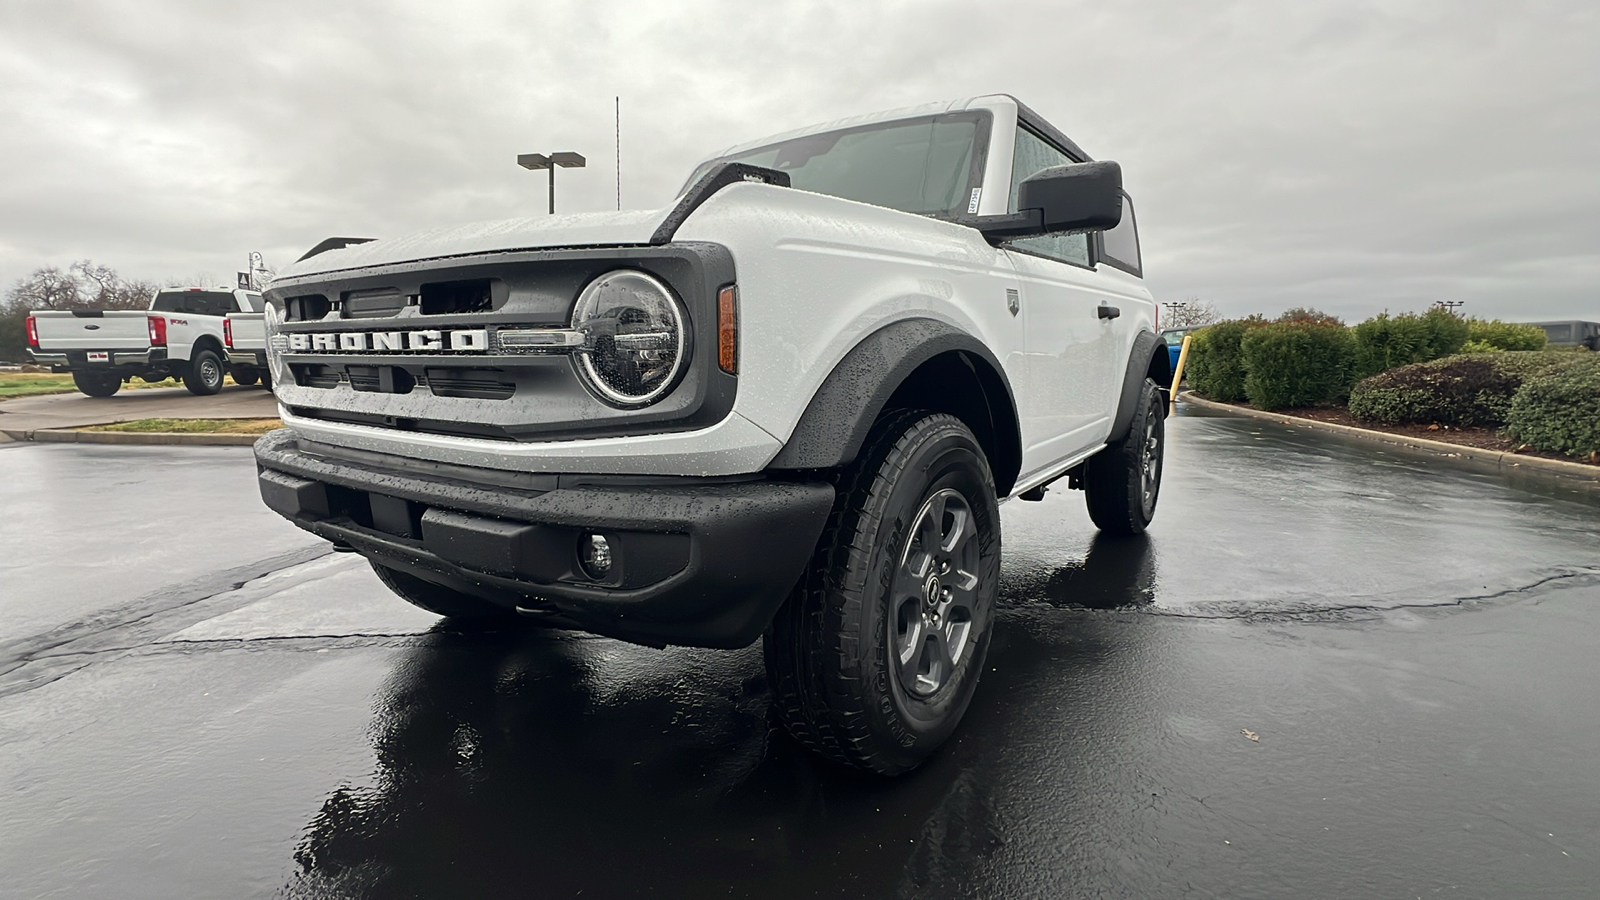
728,329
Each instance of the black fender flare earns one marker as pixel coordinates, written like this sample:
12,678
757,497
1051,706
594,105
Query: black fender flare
835,423
1141,361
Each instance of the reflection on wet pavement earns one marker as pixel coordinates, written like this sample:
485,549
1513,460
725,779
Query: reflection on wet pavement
1412,646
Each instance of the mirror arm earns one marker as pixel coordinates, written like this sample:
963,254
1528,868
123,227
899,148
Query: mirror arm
998,229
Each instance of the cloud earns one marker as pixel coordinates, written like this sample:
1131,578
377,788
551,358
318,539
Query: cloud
1352,156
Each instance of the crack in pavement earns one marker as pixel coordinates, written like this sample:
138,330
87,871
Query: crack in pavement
31,662
1311,611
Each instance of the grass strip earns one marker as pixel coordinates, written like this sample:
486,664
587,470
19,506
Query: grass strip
191,426
29,384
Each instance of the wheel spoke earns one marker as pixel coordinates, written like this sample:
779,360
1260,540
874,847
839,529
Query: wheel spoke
963,587
935,664
930,525
960,528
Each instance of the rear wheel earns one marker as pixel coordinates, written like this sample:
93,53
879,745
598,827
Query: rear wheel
204,376
97,384
875,655
442,601
1121,482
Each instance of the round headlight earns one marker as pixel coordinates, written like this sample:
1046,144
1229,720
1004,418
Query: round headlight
635,339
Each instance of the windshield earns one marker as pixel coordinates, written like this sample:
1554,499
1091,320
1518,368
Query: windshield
932,165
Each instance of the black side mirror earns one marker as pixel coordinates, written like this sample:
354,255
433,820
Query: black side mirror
1072,198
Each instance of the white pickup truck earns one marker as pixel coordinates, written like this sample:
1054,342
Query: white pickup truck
787,407
181,335
244,337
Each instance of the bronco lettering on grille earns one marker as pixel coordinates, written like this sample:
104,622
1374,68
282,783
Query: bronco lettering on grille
426,341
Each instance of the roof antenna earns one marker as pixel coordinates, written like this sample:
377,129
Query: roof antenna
619,153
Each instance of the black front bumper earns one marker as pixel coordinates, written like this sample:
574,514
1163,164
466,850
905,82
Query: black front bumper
696,562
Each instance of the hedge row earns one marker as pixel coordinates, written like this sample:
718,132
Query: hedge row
1306,358
1548,399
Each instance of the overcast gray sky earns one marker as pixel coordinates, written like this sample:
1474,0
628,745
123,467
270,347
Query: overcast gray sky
1355,156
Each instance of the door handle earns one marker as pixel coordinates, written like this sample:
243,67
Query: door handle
1109,312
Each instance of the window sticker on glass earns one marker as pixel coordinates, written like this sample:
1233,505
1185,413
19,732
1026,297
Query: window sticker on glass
972,205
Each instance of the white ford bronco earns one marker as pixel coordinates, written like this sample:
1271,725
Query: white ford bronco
787,407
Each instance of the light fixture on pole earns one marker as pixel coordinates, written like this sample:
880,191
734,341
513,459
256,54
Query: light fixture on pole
536,161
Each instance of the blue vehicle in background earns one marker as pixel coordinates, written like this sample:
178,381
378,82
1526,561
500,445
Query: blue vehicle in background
1173,338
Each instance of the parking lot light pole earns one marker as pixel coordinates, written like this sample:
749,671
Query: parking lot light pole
564,159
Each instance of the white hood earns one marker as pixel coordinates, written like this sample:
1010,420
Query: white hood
572,230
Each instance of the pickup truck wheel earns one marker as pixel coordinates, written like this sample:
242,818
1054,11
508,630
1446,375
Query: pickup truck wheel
442,601
204,376
1121,482
266,379
874,656
97,384
245,377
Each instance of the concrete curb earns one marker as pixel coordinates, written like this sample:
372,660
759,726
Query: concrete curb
1505,462
62,435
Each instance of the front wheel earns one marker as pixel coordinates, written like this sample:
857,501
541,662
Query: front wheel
97,384
1121,482
204,376
245,377
874,657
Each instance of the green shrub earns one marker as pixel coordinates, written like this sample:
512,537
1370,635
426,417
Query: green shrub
1289,364
1480,347
1559,412
1474,389
1306,315
1215,368
1460,390
1384,342
1493,334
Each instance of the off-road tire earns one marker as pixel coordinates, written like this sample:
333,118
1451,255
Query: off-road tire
833,652
97,384
1122,482
203,377
245,377
442,601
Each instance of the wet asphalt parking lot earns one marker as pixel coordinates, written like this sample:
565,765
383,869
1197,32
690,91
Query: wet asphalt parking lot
198,700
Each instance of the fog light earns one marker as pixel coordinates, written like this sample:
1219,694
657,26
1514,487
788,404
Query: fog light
594,556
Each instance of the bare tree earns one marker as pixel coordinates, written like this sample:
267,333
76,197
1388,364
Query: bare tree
108,290
84,285
1189,313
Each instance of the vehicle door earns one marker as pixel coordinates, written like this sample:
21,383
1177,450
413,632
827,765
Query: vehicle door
1073,346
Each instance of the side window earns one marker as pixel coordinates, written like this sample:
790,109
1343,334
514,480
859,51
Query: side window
1119,247
1032,153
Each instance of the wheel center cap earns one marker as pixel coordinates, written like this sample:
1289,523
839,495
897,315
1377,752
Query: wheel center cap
931,591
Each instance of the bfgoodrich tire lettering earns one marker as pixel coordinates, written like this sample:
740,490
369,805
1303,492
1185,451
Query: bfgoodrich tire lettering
909,561
1122,482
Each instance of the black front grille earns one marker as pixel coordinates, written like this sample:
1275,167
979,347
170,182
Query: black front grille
380,379
477,384
306,308
311,375
446,297
373,304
